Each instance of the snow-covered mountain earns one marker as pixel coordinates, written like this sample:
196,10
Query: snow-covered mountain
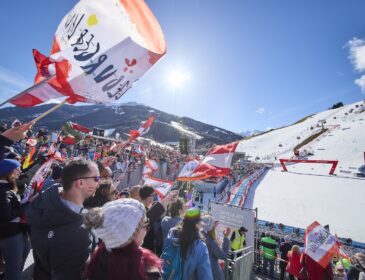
307,192
249,133
124,117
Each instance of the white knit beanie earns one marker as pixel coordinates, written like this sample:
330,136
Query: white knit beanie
121,220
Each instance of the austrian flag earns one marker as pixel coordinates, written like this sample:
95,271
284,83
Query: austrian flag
142,130
161,187
216,163
319,244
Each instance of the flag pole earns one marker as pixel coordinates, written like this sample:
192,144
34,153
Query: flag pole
49,111
26,90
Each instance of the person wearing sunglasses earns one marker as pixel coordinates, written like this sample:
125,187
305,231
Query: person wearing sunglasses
106,192
61,243
121,225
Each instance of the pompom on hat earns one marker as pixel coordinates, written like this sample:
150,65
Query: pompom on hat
7,166
118,222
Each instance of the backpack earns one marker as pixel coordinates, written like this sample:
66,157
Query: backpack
172,265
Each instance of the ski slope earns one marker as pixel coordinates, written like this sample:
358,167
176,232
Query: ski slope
306,193
344,140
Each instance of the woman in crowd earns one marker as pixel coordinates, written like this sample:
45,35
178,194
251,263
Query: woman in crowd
194,252
106,192
14,241
216,252
122,226
294,266
176,210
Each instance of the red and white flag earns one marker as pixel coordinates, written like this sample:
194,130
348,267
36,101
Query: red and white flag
142,130
31,142
216,163
320,245
138,151
161,187
150,166
187,170
86,63
78,127
37,181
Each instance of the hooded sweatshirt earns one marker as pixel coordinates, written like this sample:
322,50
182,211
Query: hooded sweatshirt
61,243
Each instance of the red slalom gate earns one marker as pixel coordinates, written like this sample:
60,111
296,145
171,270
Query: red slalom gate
333,162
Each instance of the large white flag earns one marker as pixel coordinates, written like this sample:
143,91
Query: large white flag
161,187
187,170
100,49
320,244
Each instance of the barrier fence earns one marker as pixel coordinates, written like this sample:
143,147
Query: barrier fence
239,266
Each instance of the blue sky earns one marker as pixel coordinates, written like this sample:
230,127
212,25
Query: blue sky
242,65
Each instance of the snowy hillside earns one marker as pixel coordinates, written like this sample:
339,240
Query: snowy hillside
307,192
344,139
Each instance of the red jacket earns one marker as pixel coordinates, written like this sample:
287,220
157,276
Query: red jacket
294,266
315,271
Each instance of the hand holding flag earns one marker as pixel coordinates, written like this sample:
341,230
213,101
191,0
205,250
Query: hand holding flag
17,133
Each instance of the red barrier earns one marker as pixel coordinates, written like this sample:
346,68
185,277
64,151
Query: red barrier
333,162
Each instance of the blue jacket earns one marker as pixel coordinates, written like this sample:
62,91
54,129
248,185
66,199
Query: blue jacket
168,223
197,264
216,253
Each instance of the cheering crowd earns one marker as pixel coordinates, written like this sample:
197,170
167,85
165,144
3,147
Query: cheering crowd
80,226
118,235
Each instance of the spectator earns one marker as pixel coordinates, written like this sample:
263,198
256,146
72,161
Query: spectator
106,192
357,266
12,135
284,249
216,252
314,271
54,179
268,247
122,225
194,252
14,241
61,244
294,266
176,212
134,192
238,239
124,194
154,212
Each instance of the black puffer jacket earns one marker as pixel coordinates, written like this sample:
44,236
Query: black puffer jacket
61,244
10,210
4,142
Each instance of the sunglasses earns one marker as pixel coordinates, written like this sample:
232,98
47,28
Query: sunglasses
96,178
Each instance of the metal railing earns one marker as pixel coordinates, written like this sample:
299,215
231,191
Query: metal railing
239,265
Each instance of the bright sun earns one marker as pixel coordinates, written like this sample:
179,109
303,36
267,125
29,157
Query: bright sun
177,78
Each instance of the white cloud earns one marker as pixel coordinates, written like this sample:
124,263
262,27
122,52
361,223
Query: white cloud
357,53
260,110
357,57
361,83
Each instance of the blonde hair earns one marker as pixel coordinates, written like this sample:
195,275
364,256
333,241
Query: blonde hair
295,249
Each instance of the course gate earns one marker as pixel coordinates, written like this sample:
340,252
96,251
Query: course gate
333,162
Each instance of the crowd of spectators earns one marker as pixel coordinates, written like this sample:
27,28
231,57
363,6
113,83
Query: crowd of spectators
79,226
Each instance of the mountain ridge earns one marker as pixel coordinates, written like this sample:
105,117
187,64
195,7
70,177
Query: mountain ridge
124,117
